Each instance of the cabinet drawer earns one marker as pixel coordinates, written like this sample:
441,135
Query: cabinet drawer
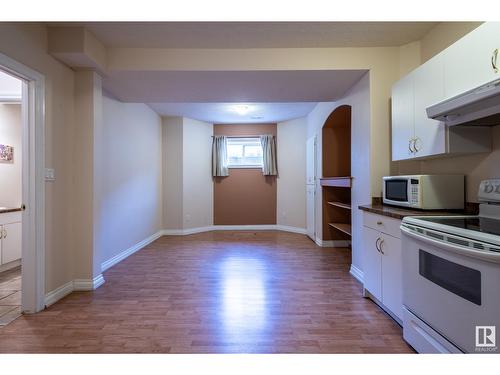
384,224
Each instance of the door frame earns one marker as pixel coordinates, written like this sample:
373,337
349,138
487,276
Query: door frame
33,174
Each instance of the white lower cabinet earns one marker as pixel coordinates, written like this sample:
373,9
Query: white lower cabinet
11,242
382,263
10,237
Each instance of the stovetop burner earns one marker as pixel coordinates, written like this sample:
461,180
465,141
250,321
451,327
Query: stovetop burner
475,223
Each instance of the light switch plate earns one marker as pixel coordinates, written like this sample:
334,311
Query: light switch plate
50,174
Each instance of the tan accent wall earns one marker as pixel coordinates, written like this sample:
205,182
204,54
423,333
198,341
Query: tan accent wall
246,196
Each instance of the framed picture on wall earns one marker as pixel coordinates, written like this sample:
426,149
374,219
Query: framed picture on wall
6,154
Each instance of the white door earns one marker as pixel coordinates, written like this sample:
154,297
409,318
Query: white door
372,265
392,276
11,242
311,160
402,118
428,84
310,210
468,62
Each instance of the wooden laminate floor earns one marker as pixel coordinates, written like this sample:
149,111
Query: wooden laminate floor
217,292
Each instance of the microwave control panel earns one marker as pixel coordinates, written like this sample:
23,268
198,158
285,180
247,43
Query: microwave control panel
414,192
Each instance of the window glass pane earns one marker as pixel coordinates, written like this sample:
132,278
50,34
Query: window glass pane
244,152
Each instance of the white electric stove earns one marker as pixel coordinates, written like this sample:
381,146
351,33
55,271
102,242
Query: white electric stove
451,279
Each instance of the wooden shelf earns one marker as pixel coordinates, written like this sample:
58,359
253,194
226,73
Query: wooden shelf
346,228
347,206
344,182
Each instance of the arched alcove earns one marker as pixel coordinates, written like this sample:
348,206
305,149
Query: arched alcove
336,181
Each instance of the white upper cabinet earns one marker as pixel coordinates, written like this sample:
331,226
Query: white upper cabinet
430,135
461,67
403,130
469,62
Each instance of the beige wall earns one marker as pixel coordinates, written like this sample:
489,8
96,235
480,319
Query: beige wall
27,44
197,201
358,97
187,180
11,172
131,202
442,36
291,188
474,167
172,172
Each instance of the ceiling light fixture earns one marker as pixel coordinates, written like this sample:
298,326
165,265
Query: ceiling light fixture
241,109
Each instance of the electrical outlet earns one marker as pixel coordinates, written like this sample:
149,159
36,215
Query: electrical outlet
50,174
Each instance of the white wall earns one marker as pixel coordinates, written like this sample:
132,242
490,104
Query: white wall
10,87
358,97
131,200
11,173
198,192
291,183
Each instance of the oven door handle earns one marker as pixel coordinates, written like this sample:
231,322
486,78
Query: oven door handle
489,256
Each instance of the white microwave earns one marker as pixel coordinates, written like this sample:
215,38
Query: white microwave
426,192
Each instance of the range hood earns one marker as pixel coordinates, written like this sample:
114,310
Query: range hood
479,106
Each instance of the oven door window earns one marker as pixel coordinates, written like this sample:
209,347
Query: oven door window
460,280
396,190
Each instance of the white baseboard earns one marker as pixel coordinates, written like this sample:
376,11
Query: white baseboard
88,284
184,232
73,286
332,243
10,265
56,294
357,273
128,252
286,228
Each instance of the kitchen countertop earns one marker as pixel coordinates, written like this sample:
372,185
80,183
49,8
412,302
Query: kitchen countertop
400,212
4,210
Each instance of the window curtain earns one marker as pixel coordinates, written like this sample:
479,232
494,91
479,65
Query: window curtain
269,165
219,156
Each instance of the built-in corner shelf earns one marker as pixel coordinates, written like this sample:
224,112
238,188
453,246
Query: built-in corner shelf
346,228
341,205
344,182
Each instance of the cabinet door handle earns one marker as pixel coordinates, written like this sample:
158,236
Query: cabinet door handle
380,246
1,233
494,57
417,141
376,244
4,233
409,146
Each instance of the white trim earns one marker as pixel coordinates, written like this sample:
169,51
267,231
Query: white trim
10,265
88,284
73,286
128,252
332,243
357,273
184,232
58,293
244,227
286,228
33,243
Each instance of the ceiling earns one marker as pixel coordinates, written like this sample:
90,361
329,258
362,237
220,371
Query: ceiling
230,86
229,113
255,34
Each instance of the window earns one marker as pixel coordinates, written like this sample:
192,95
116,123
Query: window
244,152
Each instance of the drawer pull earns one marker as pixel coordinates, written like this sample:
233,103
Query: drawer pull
379,223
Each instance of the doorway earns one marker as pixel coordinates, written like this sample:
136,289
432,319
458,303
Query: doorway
11,155
22,225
